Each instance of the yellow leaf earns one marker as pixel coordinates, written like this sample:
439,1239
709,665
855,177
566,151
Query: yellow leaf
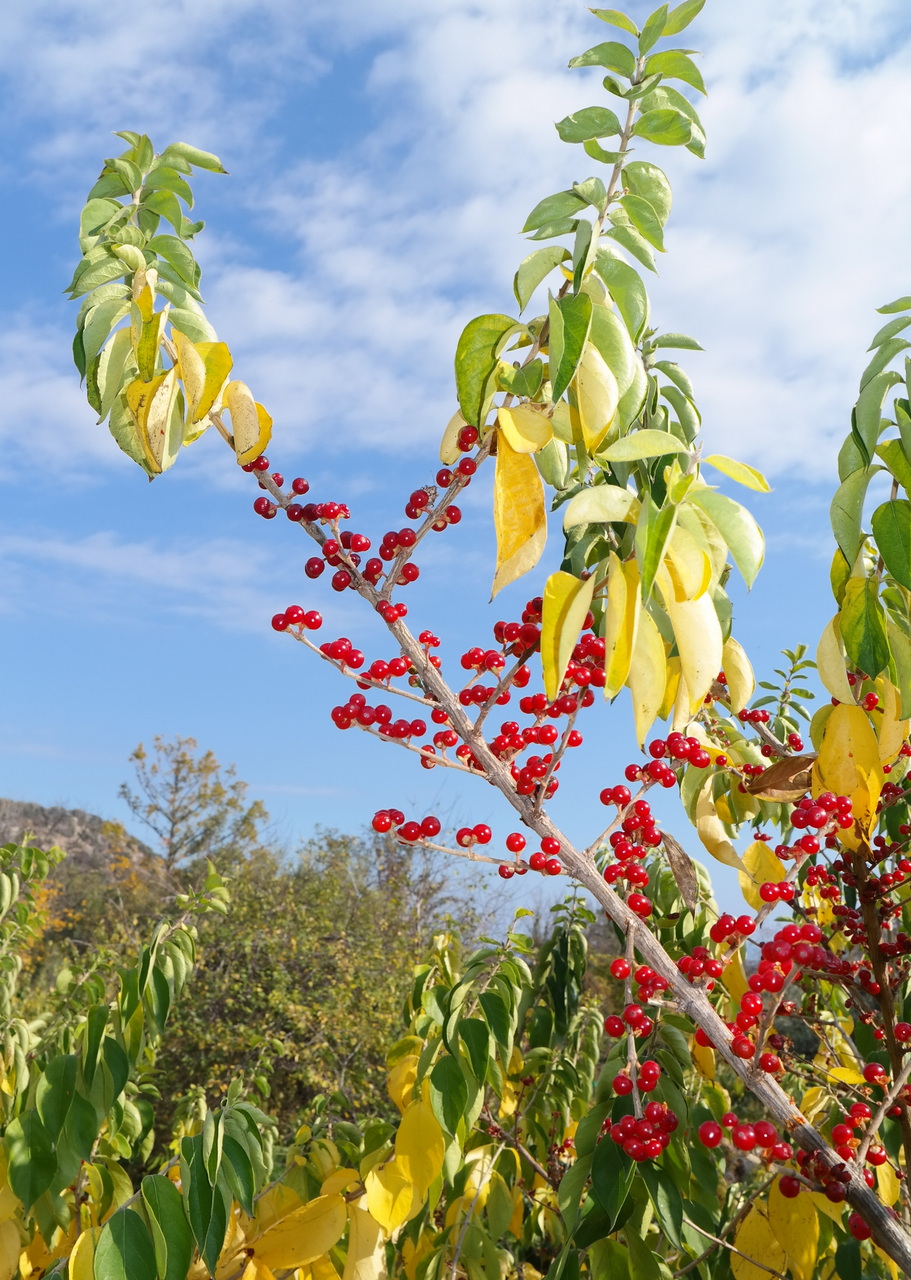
323,1269
670,688
605,504
250,424
518,1213
830,662
274,1204
597,396
699,641
688,564
449,445
144,302
887,1184
703,1058
742,472
814,1102
82,1259
519,515
419,1145
257,1270
890,1262
151,404
204,368
710,829
621,622
146,347
824,1205
760,864
389,1195
738,673
401,1080
413,1253
566,602
647,677
754,1238
366,1255
527,427
734,977
340,1180
892,730
10,1248
795,1226
847,1075
848,764
304,1234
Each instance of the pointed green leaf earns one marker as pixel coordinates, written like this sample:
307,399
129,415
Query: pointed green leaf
627,290
625,235
900,304
653,532
886,353
535,268
891,525
590,122
647,180
893,455
125,1250
647,443
666,1199
863,626
679,341
681,17
205,1204
738,528
193,155
653,29
55,1091
476,358
239,1171
612,1176
564,204
675,64
32,1162
570,320
846,511
610,54
645,220
448,1093
889,330
171,1235
667,128
616,19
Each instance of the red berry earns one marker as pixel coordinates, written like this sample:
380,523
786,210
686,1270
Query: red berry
789,1186
279,622
614,1026
856,1225
620,968
710,1133
553,866
538,860
515,842
505,872
622,1085
381,821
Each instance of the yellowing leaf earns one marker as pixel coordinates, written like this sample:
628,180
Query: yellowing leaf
670,688
739,471
419,1145
621,622
688,564
526,426
148,344
795,1226
891,1264
735,978
10,1248
887,1184
760,864
738,673
697,632
82,1258
597,396
339,1180
892,730
647,677
755,1239
847,1075
251,425
566,602
366,1255
274,1204
703,1058
151,405
824,1205
710,829
304,1234
449,445
389,1195
204,369
830,662
257,1270
848,764
401,1079
519,515
814,1103
605,504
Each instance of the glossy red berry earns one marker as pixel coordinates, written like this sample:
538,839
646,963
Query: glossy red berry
620,968
710,1133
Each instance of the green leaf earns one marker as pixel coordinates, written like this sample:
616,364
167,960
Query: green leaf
238,1169
192,155
664,98
191,323
900,304
96,273
893,455
476,358
891,525
597,152
886,353
738,528
630,239
863,626
570,321
550,230
55,1091
675,64
666,127
653,29
610,54
535,268
176,253
647,180
171,1235
581,248
101,320
205,1204
125,1250
164,178
448,1093
680,341
590,122
900,646
166,204
653,531
666,1199
644,219
498,1018
681,17
647,443
616,19
32,1161
563,204
846,512
475,1035
612,1176
687,413
866,422
524,382
889,330
627,290
117,1063
81,1127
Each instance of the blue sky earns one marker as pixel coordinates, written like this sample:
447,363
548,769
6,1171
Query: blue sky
382,159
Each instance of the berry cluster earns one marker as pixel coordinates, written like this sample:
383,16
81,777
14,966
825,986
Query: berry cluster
644,1138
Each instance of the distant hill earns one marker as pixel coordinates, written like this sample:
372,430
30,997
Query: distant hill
87,840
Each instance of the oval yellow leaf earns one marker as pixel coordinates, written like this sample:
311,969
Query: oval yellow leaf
795,1225
647,677
420,1145
597,396
151,404
760,864
756,1244
389,1195
519,514
401,1079
848,764
699,642
251,425
830,662
449,445
303,1235
339,1180
891,729
734,977
566,603
703,1058
689,566
621,622
670,689
365,1258
527,427
10,1248
739,471
738,673
605,504
82,1258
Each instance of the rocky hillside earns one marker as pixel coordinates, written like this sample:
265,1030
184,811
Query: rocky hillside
87,840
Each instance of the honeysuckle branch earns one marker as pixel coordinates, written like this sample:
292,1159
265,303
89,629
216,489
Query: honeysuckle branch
880,1113
441,760
357,676
725,1244
555,758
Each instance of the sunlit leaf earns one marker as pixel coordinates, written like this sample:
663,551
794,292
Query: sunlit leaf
647,677
566,603
527,427
520,517
604,504
760,864
739,471
647,443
